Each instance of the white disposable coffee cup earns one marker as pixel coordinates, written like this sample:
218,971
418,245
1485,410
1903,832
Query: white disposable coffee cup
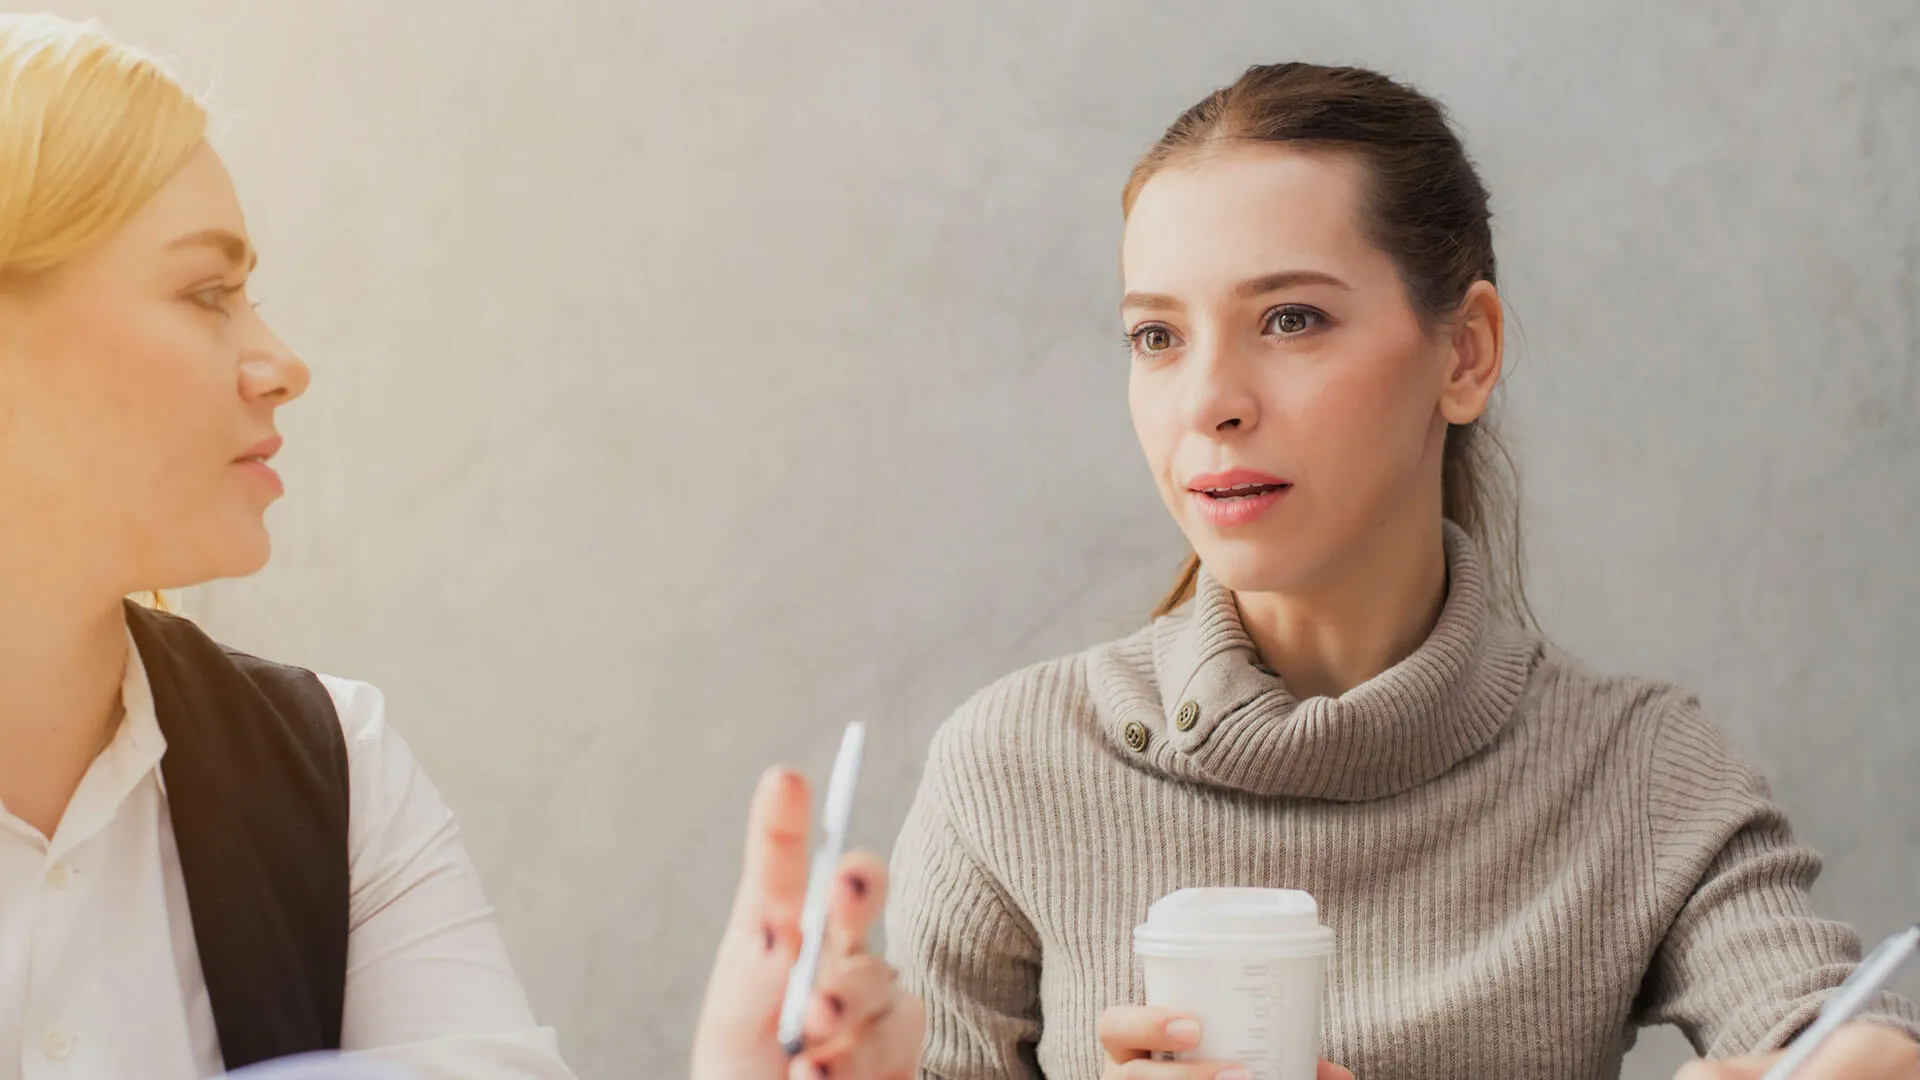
1250,965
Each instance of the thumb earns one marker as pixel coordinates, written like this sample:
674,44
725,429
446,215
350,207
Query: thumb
1330,1071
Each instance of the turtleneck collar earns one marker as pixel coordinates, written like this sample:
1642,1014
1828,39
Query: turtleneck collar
1199,709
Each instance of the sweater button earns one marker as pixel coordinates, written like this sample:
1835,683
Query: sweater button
1136,735
1188,716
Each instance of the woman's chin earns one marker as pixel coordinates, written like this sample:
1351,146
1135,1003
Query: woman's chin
237,552
1256,564
249,558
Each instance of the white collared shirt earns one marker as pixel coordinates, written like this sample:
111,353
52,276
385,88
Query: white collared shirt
99,974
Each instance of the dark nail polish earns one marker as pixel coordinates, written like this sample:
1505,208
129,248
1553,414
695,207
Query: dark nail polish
858,884
768,942
822,1070
836,1006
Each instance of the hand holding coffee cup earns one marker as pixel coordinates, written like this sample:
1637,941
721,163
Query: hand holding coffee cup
1138,1039
1235,983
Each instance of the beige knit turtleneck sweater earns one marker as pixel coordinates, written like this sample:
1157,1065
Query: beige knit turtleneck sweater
1523,860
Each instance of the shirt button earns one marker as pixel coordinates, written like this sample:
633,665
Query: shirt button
56,1044
1188,716
1136,735
60,875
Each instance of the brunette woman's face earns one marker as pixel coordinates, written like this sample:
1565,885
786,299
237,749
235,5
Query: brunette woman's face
1290,402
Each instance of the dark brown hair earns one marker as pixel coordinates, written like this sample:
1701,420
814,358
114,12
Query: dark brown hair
1425,207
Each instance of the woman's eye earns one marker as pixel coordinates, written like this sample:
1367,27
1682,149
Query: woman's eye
1291,320
1153,339
215,298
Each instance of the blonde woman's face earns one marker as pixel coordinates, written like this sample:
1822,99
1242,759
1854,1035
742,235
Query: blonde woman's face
138,389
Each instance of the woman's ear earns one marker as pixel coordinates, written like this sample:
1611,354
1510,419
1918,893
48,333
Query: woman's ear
1475,340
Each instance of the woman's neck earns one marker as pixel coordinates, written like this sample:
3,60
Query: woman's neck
63,656
1372,613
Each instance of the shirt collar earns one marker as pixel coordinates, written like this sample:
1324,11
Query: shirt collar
130,756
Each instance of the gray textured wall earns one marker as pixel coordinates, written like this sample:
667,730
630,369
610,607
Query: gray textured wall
691,378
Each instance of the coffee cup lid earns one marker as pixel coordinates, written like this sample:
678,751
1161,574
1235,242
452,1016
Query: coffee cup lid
1279,919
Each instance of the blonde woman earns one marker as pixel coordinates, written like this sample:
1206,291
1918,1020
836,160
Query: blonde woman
1523,859
208,860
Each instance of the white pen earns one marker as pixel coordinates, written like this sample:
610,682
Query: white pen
835,813
1861,987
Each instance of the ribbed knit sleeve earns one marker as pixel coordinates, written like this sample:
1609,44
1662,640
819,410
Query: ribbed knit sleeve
1745,963
957,939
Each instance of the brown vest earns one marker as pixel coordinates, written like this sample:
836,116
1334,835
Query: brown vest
257,787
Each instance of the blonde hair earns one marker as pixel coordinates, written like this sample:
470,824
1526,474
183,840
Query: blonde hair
90,130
